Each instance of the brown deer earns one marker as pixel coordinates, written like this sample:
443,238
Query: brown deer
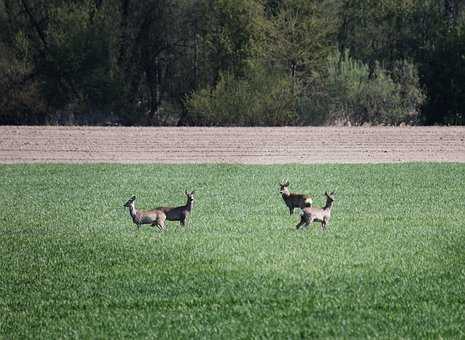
322,215
293,200
179,213
154,217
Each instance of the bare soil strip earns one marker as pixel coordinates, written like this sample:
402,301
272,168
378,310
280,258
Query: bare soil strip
171,145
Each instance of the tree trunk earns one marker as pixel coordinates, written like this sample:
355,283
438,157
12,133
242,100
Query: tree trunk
451,12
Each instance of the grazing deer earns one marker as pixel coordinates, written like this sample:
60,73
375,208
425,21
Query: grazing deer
180,213
293,200
154,217
322,215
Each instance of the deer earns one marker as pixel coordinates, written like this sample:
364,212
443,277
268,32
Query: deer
180,213
323,215
294,200
154,217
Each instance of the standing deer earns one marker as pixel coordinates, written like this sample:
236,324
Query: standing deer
322,215
293,200
154,217
179,213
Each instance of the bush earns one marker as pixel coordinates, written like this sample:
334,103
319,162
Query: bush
76,71
261,98
20,100
347,90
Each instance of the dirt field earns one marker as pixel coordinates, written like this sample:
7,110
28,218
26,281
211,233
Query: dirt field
305,145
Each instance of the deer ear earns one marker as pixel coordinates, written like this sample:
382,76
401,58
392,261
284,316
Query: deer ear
133,198
192,192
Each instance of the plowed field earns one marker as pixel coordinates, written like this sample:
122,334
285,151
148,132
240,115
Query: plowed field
170,145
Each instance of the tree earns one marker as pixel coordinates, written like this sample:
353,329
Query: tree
257,99
348,91
298,37
65,48
428,33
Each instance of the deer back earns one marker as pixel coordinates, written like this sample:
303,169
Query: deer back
316,212
299,200
174,214
147,217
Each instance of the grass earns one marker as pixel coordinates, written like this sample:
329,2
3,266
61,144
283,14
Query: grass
391,265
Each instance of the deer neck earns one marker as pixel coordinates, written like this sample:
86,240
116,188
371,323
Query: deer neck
132,210
286,194
328,205
189,205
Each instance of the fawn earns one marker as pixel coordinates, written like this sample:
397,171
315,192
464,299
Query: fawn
179,213
322,215
154,217
293,200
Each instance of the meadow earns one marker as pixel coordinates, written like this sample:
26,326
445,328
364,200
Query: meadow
390,265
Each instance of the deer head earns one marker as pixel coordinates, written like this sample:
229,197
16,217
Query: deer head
190,196
284,187
331,196
128,203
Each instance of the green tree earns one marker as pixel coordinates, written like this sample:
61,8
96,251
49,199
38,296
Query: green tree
443,74
63,50
427,32
147,43
348,91
298,36
260,98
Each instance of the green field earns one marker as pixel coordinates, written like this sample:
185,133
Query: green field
73,265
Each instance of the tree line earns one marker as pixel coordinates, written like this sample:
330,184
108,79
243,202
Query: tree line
232,62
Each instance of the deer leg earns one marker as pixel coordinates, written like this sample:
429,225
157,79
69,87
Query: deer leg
324,223
291,211
303,220
158,225
308,221
161,222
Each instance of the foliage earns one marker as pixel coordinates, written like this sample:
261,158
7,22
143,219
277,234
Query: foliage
261,98
73,264
425,32
21,98
228,33
347,91
298,37
444,76
138,60
76,68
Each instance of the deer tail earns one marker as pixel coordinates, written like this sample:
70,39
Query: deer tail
308,202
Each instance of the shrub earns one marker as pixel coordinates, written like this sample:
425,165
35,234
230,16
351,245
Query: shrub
347,90
261,98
